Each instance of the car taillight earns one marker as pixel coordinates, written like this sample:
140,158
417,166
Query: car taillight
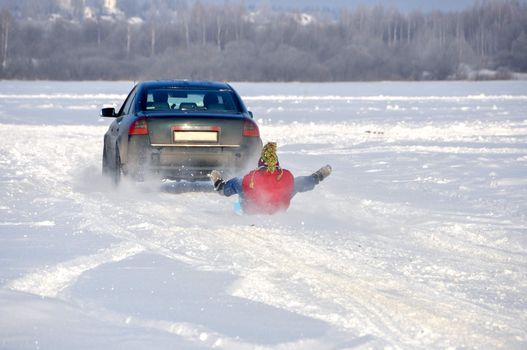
139,127
250,129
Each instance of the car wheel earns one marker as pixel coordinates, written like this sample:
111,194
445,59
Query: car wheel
135,168
106,169
117,170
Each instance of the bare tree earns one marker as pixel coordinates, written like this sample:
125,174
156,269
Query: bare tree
6,20
364,43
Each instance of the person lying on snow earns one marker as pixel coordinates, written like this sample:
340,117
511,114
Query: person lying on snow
269,188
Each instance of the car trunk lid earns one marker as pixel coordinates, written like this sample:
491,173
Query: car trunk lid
196,130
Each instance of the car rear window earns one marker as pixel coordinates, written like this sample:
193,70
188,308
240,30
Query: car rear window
163,99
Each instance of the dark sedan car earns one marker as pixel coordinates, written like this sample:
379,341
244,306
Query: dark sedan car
180,130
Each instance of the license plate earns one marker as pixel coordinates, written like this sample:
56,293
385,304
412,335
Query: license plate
193,136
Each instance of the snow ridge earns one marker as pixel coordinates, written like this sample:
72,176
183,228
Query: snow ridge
50,282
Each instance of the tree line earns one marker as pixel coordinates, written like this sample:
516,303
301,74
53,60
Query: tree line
173,39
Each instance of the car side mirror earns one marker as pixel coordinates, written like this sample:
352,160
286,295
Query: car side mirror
251,114
108,112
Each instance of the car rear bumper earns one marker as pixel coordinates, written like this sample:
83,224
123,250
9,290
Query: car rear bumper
190,162
195,162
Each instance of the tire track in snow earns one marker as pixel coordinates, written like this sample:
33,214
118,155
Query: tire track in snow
343,290
52,282
379,297
190,244
295,275
359,298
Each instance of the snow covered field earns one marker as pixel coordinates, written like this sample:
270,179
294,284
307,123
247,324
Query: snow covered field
417,240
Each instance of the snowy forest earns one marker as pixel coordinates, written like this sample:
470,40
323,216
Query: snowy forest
109,40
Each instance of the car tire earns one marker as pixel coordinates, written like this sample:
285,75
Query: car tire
106,169
117,170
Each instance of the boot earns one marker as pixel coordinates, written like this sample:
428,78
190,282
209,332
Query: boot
217,181
322,173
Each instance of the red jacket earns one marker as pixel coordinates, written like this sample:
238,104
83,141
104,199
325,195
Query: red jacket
267,193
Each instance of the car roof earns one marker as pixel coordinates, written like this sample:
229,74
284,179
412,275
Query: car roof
193,84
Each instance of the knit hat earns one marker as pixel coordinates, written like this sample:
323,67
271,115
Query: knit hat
268,158
269,161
